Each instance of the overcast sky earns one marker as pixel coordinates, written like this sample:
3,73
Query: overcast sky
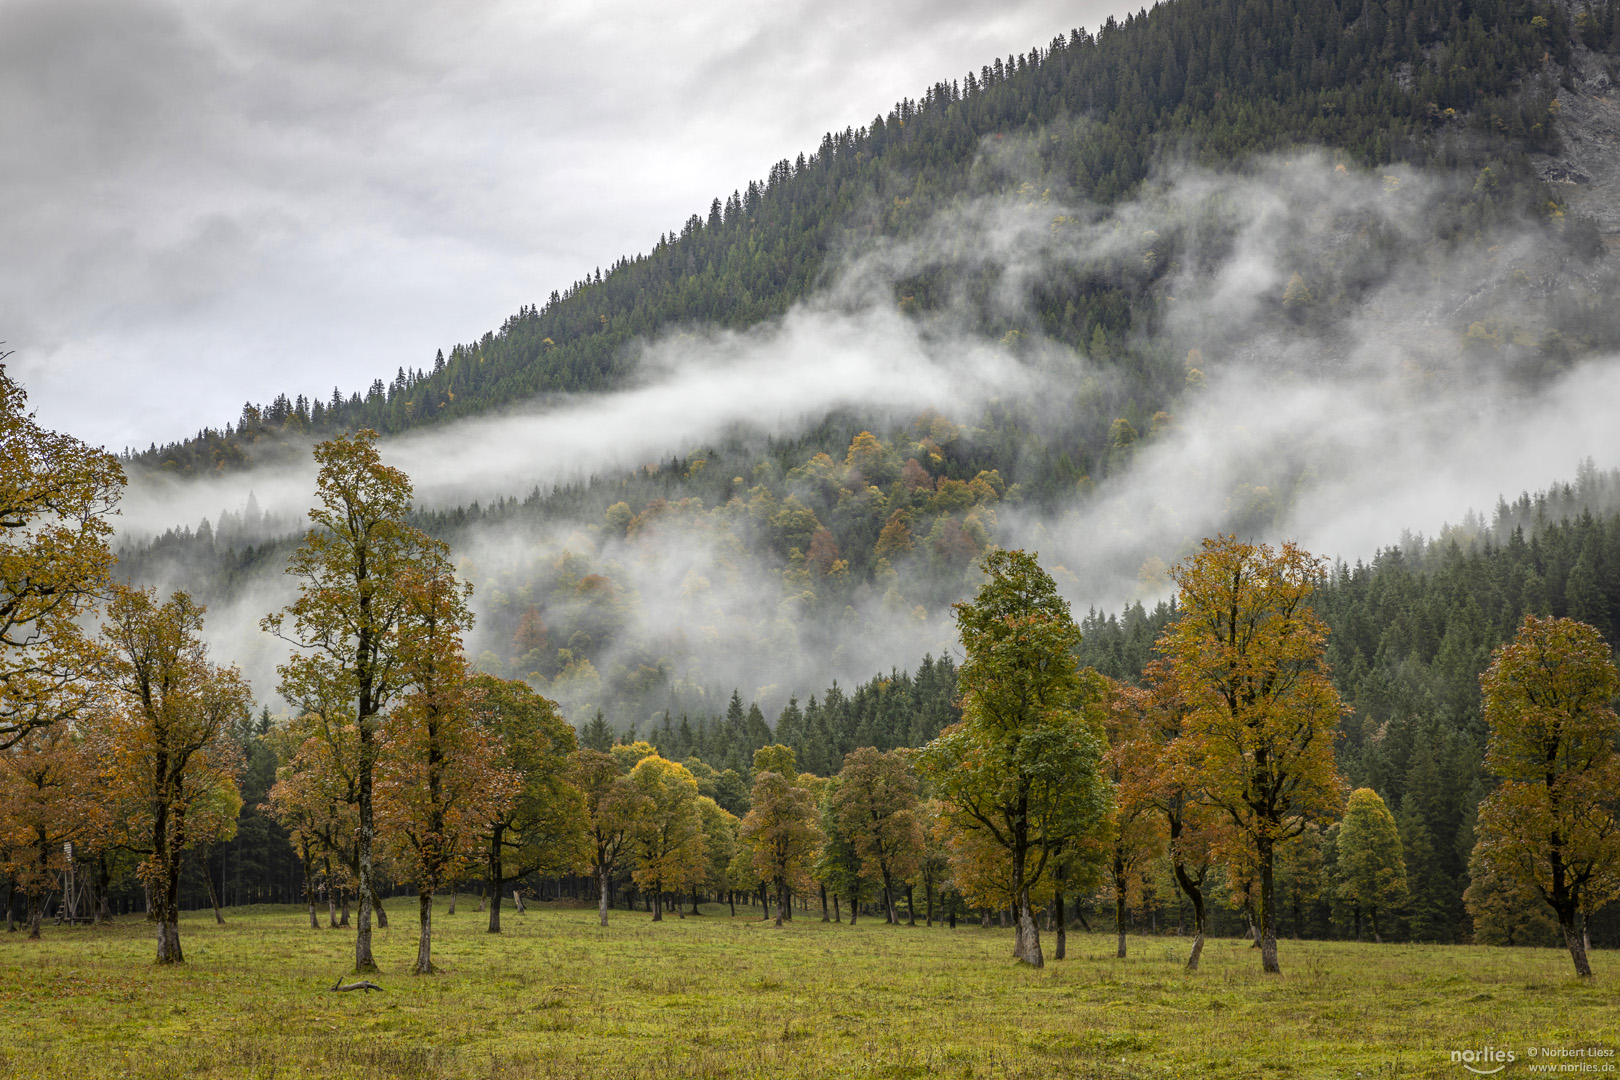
208,202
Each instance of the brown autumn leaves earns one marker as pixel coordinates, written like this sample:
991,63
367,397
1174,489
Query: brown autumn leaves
1055,784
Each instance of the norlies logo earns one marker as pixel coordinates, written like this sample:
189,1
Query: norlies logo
1484,1061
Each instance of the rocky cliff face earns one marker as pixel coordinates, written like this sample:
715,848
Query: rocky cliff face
1586,170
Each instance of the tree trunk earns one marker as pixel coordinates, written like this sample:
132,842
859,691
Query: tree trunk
1062,920
1195,893
1030,933
331,898
364,962
343,896
602,875
1119,900
170,842
837,917
1268,913
655,897
517,901
36,909
1576,942
824,903
455,887
888,899
213,897
731,899
378,910
11,900
104,912
695,910
424,942
497,877
928,902
781,902
854,908
911,909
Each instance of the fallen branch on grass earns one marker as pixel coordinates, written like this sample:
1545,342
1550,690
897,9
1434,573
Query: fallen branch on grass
340,987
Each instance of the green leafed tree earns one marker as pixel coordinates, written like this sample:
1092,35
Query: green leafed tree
875,804
1552,826
542,828
1021,771
1371,865
56,494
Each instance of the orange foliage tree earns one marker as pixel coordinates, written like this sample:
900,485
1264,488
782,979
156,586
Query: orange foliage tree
352,613
781,832
50,796
439,778
1159,774
1247,659
1131,764
172,767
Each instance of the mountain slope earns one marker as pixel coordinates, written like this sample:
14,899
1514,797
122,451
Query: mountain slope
1426,82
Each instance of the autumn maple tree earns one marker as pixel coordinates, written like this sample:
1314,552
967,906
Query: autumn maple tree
167,719
876,807
781,833
1159,773
352,612
1552,826
56,494
611,808
1131,764
1020,772
541,828
439,779
50,797
1246,658
666,836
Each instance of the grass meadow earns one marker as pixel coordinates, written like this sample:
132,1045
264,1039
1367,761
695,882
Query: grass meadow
722,997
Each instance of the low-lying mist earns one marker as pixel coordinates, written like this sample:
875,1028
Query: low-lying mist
1312,364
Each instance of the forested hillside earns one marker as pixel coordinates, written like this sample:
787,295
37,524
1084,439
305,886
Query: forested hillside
1087,118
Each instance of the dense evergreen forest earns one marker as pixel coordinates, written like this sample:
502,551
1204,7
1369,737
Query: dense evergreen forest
1461,89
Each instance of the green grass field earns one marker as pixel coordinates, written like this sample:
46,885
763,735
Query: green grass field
731,997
